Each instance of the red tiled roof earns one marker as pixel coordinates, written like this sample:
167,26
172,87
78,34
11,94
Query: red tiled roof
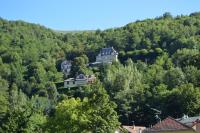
169,124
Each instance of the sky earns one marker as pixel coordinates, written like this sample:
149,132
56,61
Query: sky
91,14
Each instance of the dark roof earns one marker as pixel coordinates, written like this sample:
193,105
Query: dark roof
189,120
169,124
80,76
108,51
66,62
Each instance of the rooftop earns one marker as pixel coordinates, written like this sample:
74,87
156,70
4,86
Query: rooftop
66,62
108,51
69,79
169,124
188,120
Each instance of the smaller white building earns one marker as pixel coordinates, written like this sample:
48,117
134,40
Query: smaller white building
80,80
107,55
66,67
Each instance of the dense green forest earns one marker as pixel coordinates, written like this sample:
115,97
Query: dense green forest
158,71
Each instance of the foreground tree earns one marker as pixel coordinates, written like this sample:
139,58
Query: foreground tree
94,113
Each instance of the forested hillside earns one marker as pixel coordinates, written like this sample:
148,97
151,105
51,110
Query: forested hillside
158,71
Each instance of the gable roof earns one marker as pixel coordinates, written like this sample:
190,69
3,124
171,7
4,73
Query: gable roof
66,62
81,76
108,51
169,124
189,120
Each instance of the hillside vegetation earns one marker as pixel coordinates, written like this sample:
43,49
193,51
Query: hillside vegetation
158,71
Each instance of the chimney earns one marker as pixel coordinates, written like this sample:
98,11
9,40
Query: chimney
185,117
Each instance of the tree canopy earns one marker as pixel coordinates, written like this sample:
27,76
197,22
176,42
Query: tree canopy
158,69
